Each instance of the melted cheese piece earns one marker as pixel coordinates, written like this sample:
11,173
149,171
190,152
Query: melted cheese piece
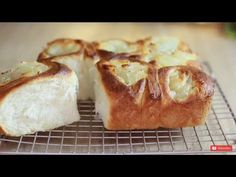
62,49
180,85
178,58
117,46
164,50
128,72
165,44
24,69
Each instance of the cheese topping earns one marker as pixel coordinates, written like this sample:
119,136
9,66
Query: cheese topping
24,69
181,85
129,72
62,49
178,58
166,45
117,46
164,50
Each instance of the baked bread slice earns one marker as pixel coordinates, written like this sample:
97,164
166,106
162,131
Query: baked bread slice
119,86
37,97
185,99
78,55
132,94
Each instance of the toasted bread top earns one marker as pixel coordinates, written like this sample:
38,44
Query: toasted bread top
164,50
129,75
29,71
185,83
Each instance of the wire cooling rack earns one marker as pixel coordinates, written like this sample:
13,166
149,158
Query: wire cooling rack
88,136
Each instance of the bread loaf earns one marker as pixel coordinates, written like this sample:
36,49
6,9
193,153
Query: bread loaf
37,97
79,56
146,84
132,94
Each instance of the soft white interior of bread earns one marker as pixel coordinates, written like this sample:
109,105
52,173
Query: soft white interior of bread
180,85
90,66
40,105
129,72
117,46
24,69
62,49
102,104
81,67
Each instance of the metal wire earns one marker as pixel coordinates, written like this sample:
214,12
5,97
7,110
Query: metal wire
157,139
171,142
88,136
34,142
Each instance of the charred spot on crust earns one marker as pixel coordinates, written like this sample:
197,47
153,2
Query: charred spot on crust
124,65
106,67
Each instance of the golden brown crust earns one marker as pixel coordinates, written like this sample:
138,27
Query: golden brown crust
88,50
54,69
194,63
148,105
58,58
106,55
151,105
191,111
62,42
125,100
2,132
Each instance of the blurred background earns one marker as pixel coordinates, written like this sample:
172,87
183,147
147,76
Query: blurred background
214,42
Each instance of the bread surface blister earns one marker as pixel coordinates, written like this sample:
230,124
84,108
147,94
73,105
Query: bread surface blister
150,83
